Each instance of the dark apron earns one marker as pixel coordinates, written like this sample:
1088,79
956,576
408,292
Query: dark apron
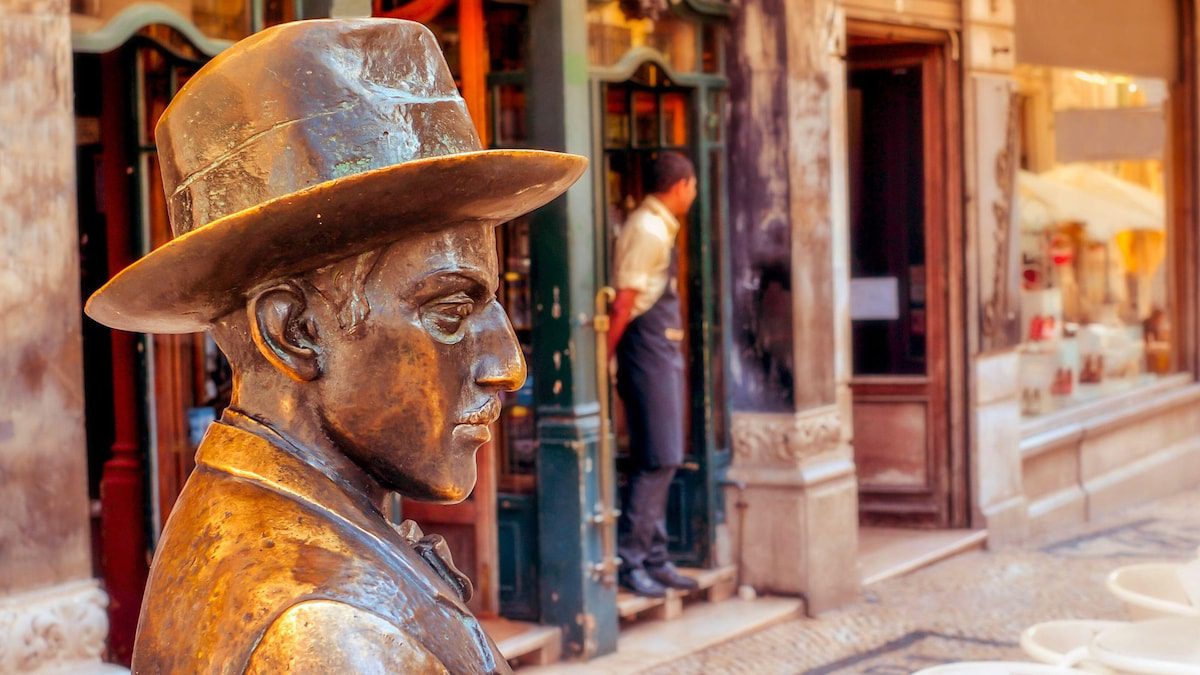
650,380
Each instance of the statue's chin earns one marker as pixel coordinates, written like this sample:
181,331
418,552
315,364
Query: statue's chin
447,491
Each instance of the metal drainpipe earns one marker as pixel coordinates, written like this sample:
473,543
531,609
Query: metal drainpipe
741,505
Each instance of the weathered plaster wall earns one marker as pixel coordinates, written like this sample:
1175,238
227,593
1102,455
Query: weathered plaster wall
762,362
43,490
793,467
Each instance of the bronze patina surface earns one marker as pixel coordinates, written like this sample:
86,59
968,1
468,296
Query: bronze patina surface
335,224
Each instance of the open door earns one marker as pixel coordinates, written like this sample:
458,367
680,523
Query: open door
644,116
902,195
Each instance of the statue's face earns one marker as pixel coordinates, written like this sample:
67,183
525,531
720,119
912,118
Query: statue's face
411,394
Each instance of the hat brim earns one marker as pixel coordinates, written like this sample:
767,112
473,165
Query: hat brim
187,283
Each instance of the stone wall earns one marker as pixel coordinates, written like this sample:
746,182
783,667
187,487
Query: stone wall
50,609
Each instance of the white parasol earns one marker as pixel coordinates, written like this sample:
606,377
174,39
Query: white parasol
1048,199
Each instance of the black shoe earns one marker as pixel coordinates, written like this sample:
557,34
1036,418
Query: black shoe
639,581
668,576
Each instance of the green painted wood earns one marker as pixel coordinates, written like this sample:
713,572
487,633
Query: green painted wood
517,520
564,284
572,595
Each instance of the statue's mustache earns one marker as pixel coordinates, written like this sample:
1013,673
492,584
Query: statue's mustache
484,414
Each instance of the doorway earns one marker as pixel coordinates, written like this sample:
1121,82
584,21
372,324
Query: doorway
906,282
643,117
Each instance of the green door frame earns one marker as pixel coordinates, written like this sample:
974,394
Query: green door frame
572,591
568,268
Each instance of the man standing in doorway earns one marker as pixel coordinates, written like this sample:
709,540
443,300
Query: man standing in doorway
646,332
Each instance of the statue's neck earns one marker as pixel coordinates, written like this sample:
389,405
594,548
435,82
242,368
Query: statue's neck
314,448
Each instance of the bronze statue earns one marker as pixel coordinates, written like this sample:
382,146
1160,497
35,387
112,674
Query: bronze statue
334,219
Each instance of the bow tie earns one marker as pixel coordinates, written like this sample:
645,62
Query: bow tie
433,550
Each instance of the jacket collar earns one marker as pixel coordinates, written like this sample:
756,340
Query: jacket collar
243,447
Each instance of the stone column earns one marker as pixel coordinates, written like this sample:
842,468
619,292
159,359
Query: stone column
52,613
793,468
990,161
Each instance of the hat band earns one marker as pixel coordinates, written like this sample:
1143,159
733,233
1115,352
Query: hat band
293,155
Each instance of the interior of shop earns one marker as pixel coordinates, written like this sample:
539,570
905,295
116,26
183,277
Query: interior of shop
1094,236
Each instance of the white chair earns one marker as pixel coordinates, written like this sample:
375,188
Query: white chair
1065,643
1155,590
1157,647
996,668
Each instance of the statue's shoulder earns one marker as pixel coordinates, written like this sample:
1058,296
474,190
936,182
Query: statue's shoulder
325,636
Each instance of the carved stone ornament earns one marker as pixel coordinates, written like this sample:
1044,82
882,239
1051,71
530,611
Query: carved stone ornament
998,314
54,628
775,438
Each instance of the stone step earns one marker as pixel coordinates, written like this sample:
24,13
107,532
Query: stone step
522,643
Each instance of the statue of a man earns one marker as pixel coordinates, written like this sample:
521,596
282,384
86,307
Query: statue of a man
334,218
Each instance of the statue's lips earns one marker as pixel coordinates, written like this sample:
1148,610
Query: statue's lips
477,434
475,425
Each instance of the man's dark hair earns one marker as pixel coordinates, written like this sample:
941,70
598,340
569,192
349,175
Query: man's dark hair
670,167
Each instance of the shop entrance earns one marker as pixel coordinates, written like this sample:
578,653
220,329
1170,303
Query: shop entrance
903,206
643,116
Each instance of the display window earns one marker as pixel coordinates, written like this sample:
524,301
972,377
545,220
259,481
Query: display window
617,28
1092,211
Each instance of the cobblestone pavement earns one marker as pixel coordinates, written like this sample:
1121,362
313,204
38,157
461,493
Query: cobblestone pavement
970,607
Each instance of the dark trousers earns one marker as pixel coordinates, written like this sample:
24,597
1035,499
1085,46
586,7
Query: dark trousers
643,527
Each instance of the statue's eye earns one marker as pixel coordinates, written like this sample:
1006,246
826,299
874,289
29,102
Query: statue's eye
444,318
450,317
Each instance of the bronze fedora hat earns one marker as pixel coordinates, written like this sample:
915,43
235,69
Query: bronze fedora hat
307,143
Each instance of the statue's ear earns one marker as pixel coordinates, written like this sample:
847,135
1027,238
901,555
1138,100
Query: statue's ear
283,332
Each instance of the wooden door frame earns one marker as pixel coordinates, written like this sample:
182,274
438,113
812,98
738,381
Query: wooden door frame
944,138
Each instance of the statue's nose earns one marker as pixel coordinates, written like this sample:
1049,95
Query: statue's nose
501,363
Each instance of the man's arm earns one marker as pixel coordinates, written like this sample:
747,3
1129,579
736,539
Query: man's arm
620,316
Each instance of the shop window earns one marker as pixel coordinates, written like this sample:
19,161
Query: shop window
225,19
710,48
612,33
508,111
220,19
645,118
616,118
1094,235
675,119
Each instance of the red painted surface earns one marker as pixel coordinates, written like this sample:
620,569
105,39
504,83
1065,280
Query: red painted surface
122,521
422,11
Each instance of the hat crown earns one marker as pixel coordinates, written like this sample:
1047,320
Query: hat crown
301,104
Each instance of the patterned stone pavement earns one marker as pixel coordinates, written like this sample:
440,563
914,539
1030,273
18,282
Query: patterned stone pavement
967,608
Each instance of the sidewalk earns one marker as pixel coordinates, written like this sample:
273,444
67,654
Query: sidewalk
970,607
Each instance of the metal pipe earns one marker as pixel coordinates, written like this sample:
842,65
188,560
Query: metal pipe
606,515
741,504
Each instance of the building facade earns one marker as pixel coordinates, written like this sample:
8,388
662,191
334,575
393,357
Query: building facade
941,275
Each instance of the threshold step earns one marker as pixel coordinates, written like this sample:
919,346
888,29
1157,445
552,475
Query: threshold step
888,552
715,585
522,643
